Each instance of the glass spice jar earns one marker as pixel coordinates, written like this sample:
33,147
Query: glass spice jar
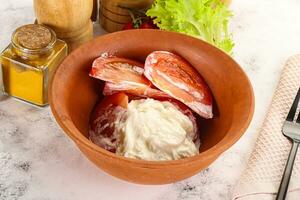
29,62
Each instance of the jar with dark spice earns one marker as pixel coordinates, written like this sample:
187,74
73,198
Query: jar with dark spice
29,62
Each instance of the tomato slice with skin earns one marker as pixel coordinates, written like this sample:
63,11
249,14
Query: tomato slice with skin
118,99
102,123
123,75
176,77
112,88
119,70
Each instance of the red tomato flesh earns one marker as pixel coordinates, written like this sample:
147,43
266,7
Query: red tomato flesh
123,75
102,122
176,77
112,88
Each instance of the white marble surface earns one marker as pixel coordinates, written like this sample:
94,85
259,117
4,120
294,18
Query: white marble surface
38,161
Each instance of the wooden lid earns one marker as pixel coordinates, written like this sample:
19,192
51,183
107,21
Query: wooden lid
33,36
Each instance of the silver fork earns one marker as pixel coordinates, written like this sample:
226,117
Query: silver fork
290,129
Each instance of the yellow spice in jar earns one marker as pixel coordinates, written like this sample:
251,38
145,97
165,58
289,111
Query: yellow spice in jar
29,62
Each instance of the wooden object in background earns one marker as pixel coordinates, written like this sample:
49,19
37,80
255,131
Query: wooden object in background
95,11
70,19
113,18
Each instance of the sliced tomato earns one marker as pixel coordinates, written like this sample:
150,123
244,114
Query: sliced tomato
112,88
102,123
119,70
176,77
118,99
123,75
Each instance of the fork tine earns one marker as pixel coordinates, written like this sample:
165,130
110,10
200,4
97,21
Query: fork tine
293,109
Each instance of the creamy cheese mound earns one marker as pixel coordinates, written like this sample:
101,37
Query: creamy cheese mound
155,130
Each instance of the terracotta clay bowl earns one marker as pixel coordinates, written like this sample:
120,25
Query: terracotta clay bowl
73,94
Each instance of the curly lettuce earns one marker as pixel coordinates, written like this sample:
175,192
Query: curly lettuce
205,19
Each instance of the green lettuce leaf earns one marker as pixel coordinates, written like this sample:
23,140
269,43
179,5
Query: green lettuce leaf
205,19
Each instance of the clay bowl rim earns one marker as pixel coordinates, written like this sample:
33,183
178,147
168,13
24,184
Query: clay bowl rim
212,153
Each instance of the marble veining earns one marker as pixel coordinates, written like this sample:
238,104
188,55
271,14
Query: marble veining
39,162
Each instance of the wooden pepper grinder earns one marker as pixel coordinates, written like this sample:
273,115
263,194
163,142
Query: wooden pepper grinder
70,19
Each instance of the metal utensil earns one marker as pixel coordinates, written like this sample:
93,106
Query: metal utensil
290,129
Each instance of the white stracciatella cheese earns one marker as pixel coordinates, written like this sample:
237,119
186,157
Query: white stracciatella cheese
155,130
